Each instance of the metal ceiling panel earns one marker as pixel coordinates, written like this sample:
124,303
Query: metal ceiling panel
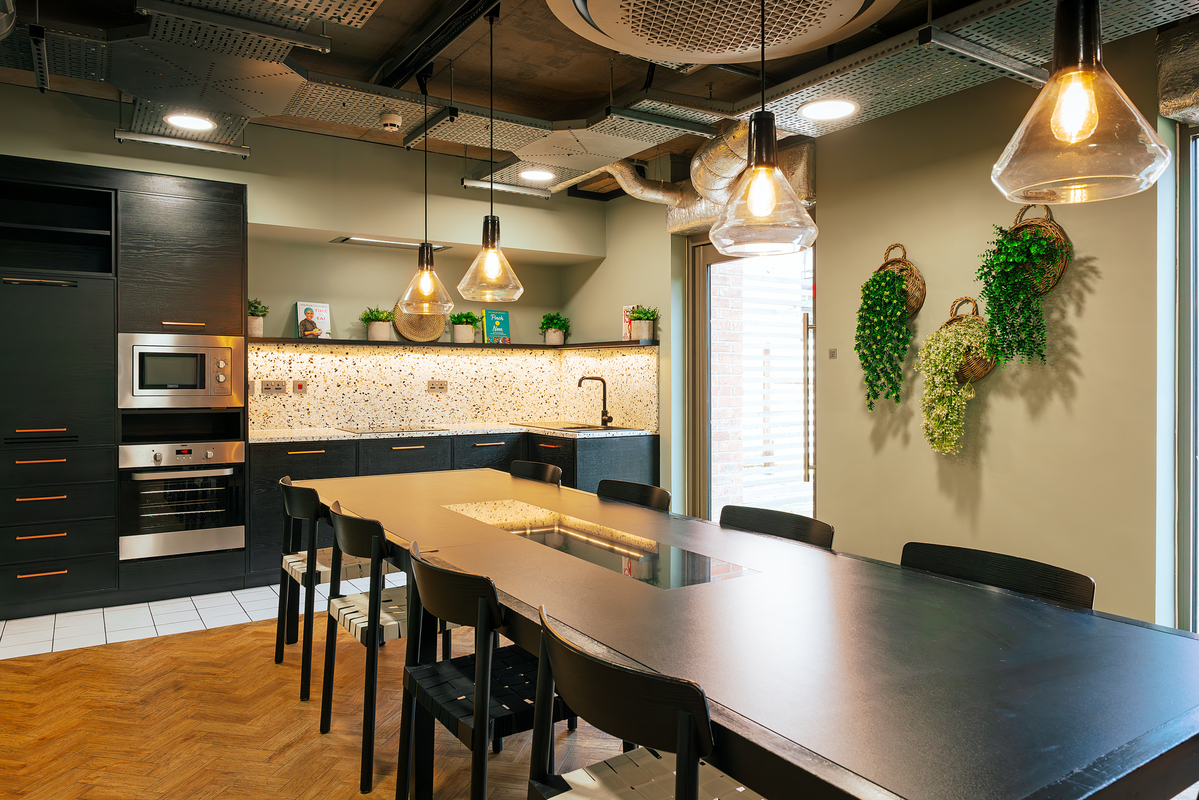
70,55
638,130
511,174
665,109
293,14
473,130
348,106
148,118
217,39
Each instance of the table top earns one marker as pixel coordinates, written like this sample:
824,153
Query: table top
866,678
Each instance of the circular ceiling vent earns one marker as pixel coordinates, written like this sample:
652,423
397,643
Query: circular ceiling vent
716,31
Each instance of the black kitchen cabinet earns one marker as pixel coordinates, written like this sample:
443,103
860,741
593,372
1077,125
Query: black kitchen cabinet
483,451
302,461
181,265
554,450
76,576
585,462
410,454
66,229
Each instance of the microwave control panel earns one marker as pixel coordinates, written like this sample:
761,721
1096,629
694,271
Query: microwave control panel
221,371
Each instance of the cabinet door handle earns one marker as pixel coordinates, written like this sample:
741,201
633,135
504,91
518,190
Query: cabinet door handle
550,446
43,536
303,452
189,324
31,499
40,282
410,447
43,461
40,430
488,444
43,574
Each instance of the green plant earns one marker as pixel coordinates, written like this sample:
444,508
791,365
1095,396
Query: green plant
943,407
1010,272
556,321
465,318
642,312
256,309
376,314
883,335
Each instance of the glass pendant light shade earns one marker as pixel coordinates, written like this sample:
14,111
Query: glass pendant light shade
426,294
764,215
490,278
1083,140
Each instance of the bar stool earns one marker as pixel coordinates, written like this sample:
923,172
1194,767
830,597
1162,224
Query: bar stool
783,524
664,715
536,471
642,494
1045,581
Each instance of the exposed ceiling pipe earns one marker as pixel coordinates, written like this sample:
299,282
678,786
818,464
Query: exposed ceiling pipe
1177,71
8,18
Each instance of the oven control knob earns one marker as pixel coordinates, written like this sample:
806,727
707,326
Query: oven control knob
220,365
208,454
220,379
157,457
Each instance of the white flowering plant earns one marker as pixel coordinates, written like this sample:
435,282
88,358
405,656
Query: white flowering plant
943,407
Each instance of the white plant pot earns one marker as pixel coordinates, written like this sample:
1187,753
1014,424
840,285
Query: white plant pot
643,328
554,336
378,331
254,327
464,334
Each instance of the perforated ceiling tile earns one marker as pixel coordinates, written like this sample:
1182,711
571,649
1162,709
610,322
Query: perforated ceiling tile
70,56
293,14
720,26
217,39
647,132
676,112
469,129
148,118
346,106
14,51
511,175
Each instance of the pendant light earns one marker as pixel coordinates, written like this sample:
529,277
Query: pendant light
1083,139
490,278
764,216
425,293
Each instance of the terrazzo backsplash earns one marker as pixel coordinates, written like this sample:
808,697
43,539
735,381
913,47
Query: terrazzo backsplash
379,386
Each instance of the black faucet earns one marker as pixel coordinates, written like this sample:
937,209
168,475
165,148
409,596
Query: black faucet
605,417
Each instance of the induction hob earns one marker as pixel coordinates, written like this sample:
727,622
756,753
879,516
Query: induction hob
388,428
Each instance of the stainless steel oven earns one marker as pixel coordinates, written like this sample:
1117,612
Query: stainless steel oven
163,370
177,499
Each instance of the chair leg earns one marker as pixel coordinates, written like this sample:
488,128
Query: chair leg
327,680
404,761
309,607
445,642
572,722
497,744
369,698
281,625
293,611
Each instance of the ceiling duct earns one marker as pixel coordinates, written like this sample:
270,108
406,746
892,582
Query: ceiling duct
8,18
1178,73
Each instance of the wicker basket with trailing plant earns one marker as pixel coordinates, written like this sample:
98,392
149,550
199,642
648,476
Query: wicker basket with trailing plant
952,359
890,297
1024,262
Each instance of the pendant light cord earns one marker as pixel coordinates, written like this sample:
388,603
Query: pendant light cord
762,74
426,171
491,100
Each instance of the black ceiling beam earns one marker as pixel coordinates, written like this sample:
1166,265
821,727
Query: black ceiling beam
448,21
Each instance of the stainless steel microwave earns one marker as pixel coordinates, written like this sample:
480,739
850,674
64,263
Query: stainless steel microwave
164,370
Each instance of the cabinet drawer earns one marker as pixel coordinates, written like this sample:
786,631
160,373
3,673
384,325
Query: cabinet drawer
410,454
38,467
54,502
57,540
497,452
58,578
557,451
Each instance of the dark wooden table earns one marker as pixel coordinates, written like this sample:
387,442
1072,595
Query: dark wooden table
831,675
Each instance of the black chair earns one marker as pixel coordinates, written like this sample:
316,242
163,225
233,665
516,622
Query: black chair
642,494
480,698
535,471
1015,574
796,527
664,715
306,566
374,617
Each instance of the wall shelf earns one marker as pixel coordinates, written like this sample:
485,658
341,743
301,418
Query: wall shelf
476,346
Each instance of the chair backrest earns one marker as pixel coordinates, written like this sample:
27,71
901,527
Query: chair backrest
778,523
451,595
535,471
643,494
299,502
1006,572
354,535
636,706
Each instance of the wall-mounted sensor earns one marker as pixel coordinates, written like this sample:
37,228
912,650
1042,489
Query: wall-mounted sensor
390,121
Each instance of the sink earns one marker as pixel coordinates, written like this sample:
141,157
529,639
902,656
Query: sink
570,426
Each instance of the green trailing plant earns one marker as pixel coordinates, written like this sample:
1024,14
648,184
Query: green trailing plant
883,336
558,321
1010,272
466,318
943,407
642,312
257,309
376,314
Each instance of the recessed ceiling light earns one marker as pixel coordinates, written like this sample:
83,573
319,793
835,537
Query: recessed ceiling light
363,240
822,110
190,122
537,175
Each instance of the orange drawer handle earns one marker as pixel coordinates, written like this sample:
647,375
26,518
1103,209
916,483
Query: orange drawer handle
44,461
42,536
410,447
193,324
488,444
43,574
302,452
550,446
30,499
39,430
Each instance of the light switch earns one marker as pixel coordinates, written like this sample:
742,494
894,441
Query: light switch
299,387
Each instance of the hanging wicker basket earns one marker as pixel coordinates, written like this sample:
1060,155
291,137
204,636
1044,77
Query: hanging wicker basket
915,281
419,327
1053,231
975,367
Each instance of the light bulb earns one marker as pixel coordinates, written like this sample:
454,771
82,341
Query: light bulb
762,197
491,265
1075,115
490,278
426,282
425,293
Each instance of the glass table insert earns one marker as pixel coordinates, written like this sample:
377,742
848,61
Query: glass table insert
639,558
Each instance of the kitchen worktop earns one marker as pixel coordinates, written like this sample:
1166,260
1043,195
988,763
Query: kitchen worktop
458,429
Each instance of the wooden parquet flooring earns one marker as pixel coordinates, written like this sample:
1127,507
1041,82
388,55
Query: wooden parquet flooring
209,714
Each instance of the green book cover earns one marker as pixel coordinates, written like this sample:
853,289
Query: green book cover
495,328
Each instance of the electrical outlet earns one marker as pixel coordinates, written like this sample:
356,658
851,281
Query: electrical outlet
299,387
274,387
832,353
438,387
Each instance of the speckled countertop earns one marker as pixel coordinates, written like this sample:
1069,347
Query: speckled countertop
265,436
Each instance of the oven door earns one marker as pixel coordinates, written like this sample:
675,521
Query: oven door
174,511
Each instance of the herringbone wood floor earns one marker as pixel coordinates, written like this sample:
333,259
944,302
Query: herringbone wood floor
209,714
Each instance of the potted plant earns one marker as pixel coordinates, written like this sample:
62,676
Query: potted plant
465,323
883,335
377,323
642,320
556,328
941,356
255,311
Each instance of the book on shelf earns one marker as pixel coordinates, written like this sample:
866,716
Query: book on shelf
495,327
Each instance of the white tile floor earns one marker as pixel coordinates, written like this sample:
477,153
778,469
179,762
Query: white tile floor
55,632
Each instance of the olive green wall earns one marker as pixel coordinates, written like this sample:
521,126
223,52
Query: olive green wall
1058,462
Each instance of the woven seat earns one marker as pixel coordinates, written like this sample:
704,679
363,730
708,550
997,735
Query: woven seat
352,567
644,774
300,506
353,611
